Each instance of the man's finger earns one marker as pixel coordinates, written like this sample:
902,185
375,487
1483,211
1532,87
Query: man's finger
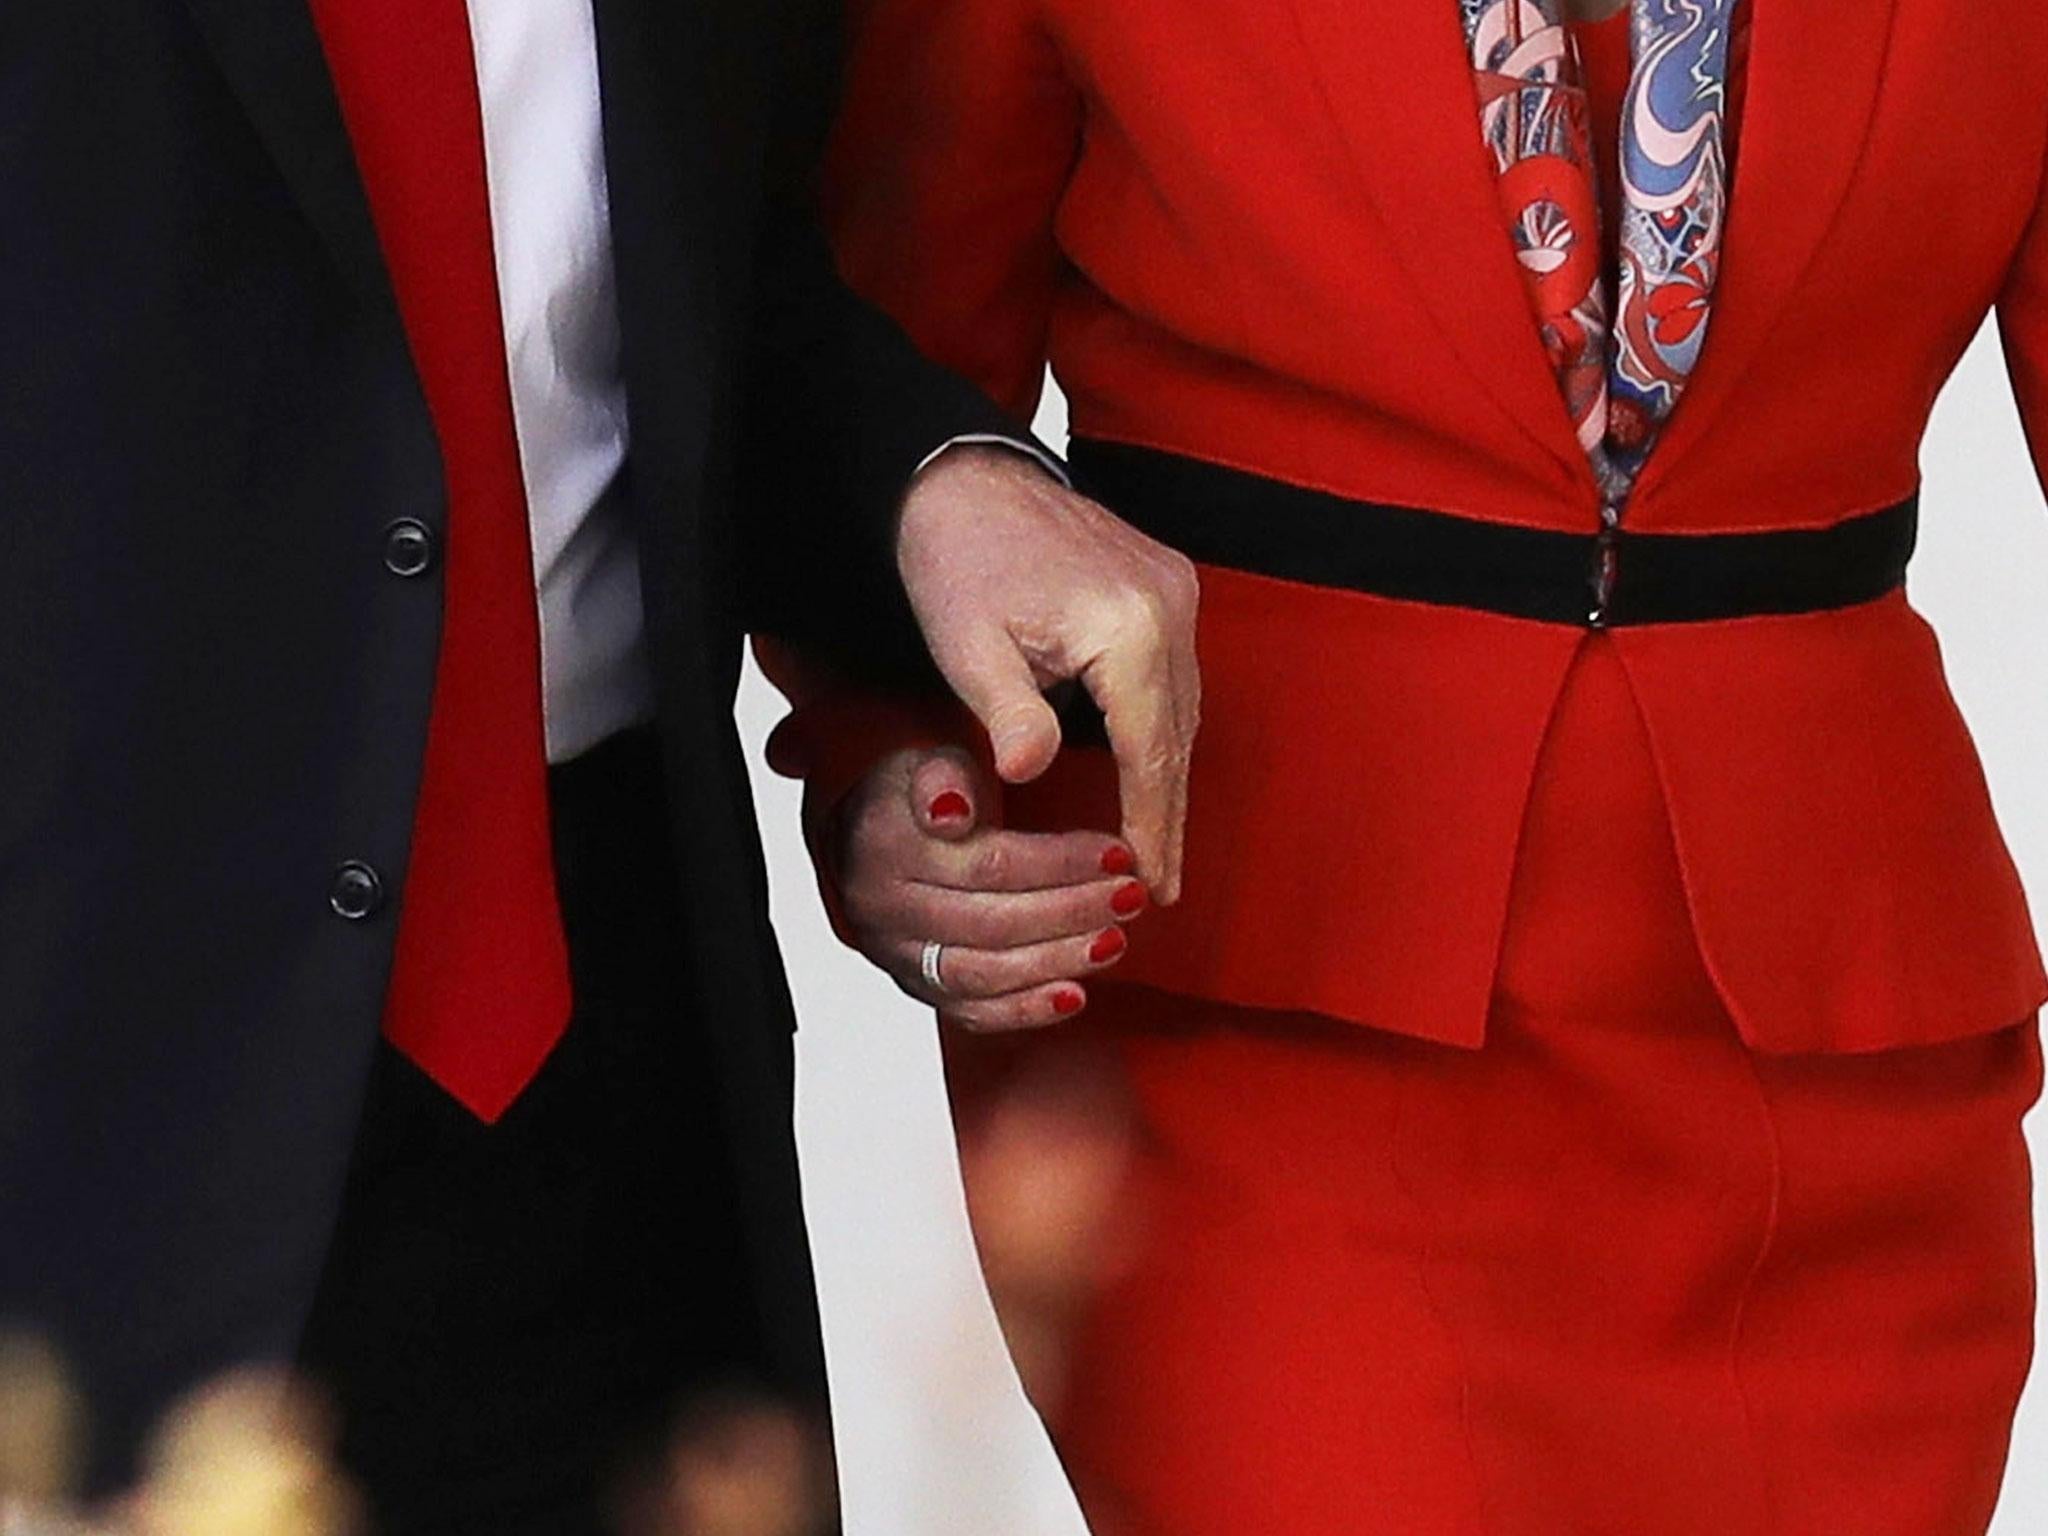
994,679
1134,691
1187,714
944,796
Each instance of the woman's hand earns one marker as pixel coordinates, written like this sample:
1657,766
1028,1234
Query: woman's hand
1023,917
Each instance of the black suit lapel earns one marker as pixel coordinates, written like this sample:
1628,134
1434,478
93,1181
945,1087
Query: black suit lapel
271,55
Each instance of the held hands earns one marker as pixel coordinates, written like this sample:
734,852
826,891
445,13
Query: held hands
1018,915
1020,584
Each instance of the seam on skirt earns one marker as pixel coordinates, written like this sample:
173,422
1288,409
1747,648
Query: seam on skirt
1426,1252
1766,1244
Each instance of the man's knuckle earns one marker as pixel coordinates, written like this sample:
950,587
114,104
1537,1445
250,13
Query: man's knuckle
1153,611
1157,762
1133,618
1005,705
1180,586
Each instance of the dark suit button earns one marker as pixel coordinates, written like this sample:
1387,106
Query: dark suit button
408,547
357,891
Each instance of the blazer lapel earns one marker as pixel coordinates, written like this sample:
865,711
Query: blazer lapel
271,55
1812,87
1410,117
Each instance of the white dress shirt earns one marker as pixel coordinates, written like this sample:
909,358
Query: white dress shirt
536,65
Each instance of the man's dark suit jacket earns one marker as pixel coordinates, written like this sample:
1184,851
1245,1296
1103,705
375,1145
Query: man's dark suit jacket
213,692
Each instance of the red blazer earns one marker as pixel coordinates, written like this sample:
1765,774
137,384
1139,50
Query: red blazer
1265,233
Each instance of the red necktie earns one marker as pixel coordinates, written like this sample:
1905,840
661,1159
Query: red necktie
480,984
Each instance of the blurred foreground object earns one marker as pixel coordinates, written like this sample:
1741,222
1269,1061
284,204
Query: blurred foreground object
247,1456
1045,1147
739,1465
41,1437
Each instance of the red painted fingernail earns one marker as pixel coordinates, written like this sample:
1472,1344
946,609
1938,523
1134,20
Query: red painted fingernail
1129,900
950,806
1068,1001
1108,944
1118,861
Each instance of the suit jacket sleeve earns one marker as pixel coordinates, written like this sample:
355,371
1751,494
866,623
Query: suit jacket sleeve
944,177
956,133
841,405
2023,326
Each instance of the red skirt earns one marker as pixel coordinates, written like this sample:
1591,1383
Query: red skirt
1613,1274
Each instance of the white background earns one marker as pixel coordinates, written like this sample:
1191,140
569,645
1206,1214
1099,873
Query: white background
935,1437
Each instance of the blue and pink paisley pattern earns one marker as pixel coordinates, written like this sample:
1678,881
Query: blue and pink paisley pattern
1621,378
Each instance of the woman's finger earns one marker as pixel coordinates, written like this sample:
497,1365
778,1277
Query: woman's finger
946,795
1008,919
969,974
998,860
1039,1008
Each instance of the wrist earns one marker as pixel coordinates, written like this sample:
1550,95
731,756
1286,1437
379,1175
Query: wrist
959,472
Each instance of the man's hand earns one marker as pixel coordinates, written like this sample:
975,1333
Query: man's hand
1023,917
1019,584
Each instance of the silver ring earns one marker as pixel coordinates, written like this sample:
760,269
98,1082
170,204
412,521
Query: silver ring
929,962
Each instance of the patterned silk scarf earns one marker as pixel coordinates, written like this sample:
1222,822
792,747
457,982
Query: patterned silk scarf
1620,381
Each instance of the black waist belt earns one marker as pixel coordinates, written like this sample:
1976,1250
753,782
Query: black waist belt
1219,516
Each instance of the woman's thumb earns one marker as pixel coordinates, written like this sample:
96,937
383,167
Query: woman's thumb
944,795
